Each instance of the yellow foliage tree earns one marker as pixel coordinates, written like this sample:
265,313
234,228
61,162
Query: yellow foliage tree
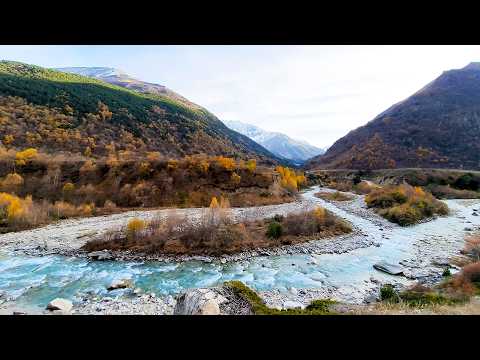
134,226
11,206
68,187
22,157
153,156
251,165
289,179
235,178
227,163
214,203
172,164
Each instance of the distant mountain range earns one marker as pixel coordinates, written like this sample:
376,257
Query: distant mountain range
58,111
437,127
279,144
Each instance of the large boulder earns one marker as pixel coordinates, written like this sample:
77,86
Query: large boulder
389,268
199,302
59,304
120,284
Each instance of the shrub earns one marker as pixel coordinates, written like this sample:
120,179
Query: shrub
404,204
388,293
12,182
364,187
472,246
274,230
63,210
446,272
335,196
420,295
109,206
20,213
135,226
467,182
313,222
471,272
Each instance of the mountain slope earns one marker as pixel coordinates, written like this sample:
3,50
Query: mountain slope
279,144
57,111
117,77
437,127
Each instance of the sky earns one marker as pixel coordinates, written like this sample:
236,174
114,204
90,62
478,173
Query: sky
312,93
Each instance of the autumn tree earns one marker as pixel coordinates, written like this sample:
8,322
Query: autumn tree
12,182
8,140
251,165
226,163
104,111
22,157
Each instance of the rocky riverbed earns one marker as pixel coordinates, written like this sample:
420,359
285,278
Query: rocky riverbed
338,268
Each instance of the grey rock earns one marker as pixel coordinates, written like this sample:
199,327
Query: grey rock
100,255
120,284
64,305
389,268
199,302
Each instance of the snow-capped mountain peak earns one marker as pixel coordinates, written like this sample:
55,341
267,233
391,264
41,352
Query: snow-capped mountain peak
278,143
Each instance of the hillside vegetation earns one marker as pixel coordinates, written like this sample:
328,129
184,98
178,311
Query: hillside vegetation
55,111
47,187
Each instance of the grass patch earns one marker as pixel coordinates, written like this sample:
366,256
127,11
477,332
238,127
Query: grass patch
316,307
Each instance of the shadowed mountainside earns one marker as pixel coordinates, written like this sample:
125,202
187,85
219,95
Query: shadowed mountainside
437,127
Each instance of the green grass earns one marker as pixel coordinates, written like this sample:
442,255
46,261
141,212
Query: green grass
316,307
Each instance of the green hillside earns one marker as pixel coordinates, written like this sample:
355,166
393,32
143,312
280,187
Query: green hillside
105,112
